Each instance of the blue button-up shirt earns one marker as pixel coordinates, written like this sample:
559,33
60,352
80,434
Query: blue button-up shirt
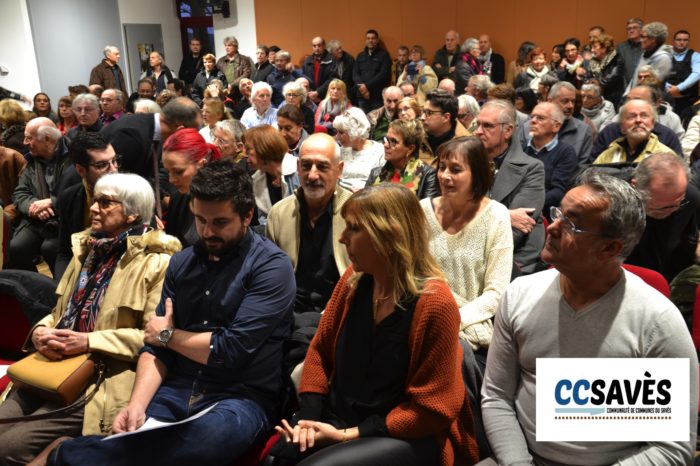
246,300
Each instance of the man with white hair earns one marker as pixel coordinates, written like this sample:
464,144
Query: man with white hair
108,74
447,85
573,131
637,118
46,174
447,56
558,157
380,118
478,87
262,112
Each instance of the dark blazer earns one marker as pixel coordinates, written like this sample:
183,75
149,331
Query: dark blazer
520,183
260,72
132,138
71,215
612,80
345,76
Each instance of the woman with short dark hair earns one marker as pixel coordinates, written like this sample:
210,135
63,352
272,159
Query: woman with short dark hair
401,148
471,238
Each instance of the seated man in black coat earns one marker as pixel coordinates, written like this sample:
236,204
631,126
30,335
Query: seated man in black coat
672,205
93,158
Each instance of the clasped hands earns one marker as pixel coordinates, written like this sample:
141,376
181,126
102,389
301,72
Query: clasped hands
56,344
41,209
306,434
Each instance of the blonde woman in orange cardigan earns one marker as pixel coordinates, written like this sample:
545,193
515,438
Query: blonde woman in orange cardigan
379,384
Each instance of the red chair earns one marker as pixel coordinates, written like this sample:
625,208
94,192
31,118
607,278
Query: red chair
651,277
695,330
13,331
259,452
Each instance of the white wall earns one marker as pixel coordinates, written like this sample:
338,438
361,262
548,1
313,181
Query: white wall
156,12
240,24
17,49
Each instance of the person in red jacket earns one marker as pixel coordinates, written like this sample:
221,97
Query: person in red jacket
379,383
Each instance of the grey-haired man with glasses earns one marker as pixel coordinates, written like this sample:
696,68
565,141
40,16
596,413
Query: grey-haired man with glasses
670,240
585,306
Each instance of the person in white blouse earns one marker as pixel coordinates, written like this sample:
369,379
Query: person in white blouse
359,153
470,236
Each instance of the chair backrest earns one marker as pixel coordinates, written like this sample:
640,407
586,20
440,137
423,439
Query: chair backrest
651,277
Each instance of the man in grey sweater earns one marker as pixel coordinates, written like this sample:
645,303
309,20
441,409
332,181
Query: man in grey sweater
587,307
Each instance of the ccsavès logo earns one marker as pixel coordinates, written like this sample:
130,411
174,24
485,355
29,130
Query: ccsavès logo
612,399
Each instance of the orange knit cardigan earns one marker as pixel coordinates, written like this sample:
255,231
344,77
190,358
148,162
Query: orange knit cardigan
437,404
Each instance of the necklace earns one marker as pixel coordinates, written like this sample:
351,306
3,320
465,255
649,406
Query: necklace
377,303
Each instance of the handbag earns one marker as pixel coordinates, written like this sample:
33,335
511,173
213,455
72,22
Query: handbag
61,382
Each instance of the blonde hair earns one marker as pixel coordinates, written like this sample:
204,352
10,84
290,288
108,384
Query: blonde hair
397,226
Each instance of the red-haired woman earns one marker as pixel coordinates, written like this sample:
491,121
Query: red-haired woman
184,153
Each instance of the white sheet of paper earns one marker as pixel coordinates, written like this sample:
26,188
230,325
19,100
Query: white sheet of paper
3,370
152,424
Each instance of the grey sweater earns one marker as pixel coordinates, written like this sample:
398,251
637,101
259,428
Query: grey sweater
534,321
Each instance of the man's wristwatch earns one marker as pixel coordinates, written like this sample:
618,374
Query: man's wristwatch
165,335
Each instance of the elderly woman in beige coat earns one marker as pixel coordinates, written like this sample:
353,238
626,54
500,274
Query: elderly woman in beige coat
105,298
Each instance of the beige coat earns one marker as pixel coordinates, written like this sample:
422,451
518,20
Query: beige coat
283,227
131,299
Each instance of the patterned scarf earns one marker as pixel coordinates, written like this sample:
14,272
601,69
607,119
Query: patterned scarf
597,67
94,278
473,63
409,177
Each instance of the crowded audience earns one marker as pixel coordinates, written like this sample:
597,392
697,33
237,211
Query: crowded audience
423,214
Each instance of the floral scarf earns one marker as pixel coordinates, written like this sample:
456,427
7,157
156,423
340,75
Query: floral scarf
94,278
410,176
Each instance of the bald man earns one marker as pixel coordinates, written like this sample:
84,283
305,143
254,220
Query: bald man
318,68
447,55
308,226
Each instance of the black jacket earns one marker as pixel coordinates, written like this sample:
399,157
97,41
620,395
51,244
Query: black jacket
260,72
373,71
201,81
428,187
71,215
324,73
189,68
612,80
132,137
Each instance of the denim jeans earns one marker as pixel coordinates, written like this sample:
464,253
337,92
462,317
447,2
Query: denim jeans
219,437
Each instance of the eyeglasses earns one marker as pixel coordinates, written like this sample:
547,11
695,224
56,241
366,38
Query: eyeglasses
669,208
292,95
428,113
539,117
222,141
556,214
391,142
462,116
103,165
488,126
105,203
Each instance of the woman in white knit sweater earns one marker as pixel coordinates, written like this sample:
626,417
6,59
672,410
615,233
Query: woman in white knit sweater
470,236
